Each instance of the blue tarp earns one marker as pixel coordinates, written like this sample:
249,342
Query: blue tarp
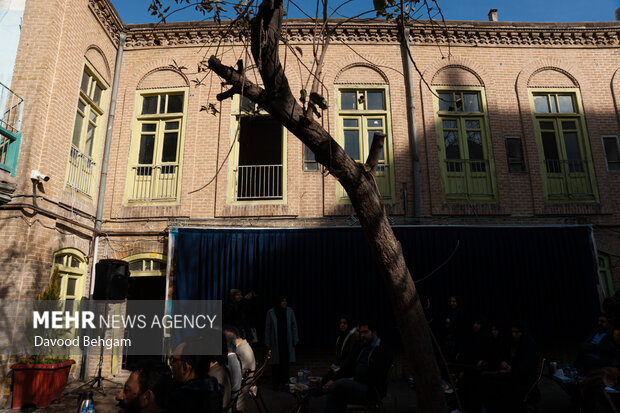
545,276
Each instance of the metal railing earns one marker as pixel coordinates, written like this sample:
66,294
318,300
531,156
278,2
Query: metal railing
259,182
568,178
11,105
155,182
468,178
81,172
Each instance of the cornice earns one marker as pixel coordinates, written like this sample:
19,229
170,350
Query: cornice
453,33
105,12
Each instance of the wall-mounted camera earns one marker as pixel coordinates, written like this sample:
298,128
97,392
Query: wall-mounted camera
38,176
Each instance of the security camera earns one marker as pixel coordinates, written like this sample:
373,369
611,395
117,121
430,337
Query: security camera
38,176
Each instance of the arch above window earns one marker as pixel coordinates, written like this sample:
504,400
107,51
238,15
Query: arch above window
456,75
147,264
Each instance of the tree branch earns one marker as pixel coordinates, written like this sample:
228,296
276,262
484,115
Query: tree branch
375,150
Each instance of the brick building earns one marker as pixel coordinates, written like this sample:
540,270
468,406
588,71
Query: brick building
511,125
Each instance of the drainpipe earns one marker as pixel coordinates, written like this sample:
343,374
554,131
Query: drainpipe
108,136
104,175
411,125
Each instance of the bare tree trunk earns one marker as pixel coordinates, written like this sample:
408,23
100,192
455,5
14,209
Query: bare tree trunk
276,98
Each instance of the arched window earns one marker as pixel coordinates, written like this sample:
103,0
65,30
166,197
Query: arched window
147,264
71,266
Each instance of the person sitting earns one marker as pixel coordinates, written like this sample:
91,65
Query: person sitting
469,362
234,371
347,347
370,369
599,350
146,389
194,389
218,368
520,369
248,362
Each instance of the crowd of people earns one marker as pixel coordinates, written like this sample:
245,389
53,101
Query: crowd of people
495,370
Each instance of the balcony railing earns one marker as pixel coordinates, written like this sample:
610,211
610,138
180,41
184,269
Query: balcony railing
468,178
81,172
155,182
568,179
11,111
259,182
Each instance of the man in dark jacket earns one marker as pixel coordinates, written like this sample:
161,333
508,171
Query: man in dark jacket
370,370
194,390
598,350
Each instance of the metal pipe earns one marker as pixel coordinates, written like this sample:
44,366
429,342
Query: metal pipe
411,125
108,137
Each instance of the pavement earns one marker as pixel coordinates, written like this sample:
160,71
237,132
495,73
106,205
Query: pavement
400,398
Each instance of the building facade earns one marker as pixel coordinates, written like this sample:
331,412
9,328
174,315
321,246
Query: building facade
510,124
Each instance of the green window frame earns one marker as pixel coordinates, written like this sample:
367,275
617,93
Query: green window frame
362,110
148,264
563,145
465,153
71,265
258,161
605,274
156,153
87,126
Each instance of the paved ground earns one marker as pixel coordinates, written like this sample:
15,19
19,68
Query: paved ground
400,399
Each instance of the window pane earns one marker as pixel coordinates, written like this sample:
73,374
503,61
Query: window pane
149,127
59,259
371,135
612,153
449,124
472,124
136,265
349,123
515,154
246,105
149,105
471,102
308,154
172,126
81,106
375,101
175,103
158,266
446,102
352,144
566,104
88,144
572,146
348,100
474,145
71,287
75,263
547,125
549,145
77,129
84,84
541,104
451,142
375,123
147,144
169,151
97,94
554,106
162,104
569,125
